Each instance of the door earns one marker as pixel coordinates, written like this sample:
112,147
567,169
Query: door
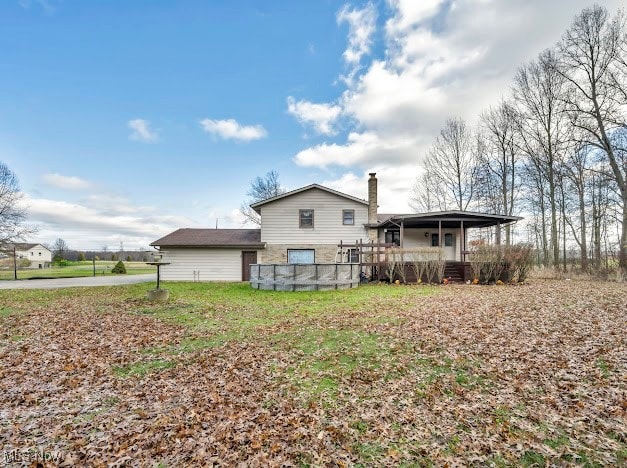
448,245
248,259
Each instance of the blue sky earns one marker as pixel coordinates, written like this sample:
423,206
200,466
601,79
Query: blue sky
126,120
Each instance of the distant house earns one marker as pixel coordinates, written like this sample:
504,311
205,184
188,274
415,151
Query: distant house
38,255
311,225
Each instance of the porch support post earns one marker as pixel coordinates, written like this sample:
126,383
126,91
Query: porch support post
498,233
402,232
440,233
462,240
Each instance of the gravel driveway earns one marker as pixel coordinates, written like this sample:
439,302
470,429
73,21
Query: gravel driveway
78,282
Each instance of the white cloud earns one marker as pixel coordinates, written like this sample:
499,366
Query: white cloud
361,27
66,182
440,59
362,149
89,227
320,116
232,218
141,131
392,186
230,129
410,13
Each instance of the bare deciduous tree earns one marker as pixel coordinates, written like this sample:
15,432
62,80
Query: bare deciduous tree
60,248
451,165
539,92
261,188
577,171
592,57
427,194
498,162
12,213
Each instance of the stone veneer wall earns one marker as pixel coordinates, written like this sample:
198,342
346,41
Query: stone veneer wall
277,253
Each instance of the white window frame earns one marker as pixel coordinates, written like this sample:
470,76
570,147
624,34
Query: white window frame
293,256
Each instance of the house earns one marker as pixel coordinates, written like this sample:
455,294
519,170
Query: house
316,224
209,254
38,255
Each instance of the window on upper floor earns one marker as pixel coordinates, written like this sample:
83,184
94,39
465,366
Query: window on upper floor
306,219
348,217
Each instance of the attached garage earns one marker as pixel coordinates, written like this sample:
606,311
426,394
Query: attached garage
209,254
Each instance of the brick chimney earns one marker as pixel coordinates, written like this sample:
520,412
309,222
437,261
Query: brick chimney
372,205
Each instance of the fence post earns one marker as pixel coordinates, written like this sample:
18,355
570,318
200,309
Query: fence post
93,263
14,262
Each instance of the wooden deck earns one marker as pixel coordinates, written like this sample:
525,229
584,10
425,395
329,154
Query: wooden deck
373,259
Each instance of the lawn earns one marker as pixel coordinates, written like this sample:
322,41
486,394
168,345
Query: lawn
398,375
85,268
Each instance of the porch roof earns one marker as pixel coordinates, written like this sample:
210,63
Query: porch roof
449,219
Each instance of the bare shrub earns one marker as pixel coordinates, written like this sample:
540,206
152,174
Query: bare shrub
397,259
519,260
390,268
435,266
425,262
489,263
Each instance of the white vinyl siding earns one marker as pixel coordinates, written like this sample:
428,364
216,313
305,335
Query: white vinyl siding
38,255
202,265
280,219
415,238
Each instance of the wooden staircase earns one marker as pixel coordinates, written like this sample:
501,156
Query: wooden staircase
452,273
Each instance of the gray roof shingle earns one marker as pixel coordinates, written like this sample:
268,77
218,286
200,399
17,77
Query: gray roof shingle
189,237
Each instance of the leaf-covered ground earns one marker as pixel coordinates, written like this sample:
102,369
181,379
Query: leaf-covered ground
394,375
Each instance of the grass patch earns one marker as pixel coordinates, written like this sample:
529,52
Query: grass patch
77,269
560,441
532,459
222,312
604,368
445,374
142,368
6,312
360,426
369,452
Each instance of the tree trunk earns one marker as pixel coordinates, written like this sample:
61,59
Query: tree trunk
583,225
620,181
623,240
555,246
596,233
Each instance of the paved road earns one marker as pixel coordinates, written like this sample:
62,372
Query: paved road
78,282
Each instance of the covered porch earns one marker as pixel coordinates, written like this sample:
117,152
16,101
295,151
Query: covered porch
447,230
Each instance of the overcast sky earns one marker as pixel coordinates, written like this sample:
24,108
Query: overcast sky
127,120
